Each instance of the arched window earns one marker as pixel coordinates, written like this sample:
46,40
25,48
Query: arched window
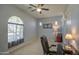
15,31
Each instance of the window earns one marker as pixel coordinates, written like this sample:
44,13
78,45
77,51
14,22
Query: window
15,31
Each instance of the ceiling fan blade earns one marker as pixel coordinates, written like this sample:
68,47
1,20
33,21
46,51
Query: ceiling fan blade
33,10
29,7
38,5
42,4
32,5
44,9
40,12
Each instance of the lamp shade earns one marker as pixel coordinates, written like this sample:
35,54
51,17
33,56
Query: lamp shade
68,37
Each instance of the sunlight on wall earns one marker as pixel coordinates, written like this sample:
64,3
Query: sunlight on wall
74,32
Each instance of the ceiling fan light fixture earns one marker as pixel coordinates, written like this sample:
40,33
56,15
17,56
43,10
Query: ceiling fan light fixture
56,23
38,10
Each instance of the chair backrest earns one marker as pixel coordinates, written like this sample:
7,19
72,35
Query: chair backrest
45,45
59,49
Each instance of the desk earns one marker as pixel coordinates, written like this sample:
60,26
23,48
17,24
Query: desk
68,50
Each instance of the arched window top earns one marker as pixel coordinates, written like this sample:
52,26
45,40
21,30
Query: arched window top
15,19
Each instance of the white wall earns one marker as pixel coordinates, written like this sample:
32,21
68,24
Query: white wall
48,32
7,11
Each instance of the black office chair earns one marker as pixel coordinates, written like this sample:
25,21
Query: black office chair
46,47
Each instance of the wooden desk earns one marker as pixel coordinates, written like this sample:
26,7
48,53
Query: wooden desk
68,50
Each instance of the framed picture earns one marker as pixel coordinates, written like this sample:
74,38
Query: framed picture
47,26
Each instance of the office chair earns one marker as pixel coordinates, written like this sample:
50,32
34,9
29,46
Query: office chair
46,47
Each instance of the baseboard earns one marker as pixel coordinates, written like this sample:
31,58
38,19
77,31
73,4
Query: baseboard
4,53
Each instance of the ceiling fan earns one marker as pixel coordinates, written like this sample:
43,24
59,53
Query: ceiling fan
38,8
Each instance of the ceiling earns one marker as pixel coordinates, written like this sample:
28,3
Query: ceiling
54,10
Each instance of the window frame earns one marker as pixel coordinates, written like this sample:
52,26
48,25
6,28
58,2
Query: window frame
10,44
